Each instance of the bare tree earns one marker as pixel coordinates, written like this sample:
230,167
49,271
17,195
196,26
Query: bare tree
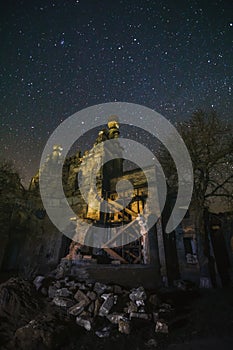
210,145
11,189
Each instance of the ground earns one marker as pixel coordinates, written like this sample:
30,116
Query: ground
203,320
209,327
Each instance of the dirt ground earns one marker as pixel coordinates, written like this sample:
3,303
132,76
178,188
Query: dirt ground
204,321
206,324
210,323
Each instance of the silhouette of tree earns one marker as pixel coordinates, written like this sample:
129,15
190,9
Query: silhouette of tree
210,145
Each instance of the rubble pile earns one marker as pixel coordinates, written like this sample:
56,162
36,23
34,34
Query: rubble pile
111,306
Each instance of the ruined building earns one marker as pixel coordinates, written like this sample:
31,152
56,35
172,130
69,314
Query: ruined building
147,257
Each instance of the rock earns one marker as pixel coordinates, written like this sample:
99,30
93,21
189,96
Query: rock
71,284
60,271
85,323
63,292
62,302
43,333
52,291
38,281
97,307
76,309
117,289
16,295
57,285
115,262
80,296
107,305
115,317
19,303
124,325
91,307
161,327
100,288
132,307
140,315
141,309
103,333
83,287
140,302
91,295
137,295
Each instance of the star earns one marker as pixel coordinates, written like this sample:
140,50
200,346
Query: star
61,57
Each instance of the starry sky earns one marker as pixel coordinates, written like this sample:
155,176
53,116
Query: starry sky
58,57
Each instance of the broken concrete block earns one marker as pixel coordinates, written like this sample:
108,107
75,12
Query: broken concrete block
100,288
140,302
137,294
83,287
103,333
72,286
85,323
132,307
91,307
76,309
107,304
114,318
62,302
80,296
38,281
61,270
124,325
91,295
141,309
57,284
52,291
161,327
140,315
62,292
115,262
117,289
85,314
97,307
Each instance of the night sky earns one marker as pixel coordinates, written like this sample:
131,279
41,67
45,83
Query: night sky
58,57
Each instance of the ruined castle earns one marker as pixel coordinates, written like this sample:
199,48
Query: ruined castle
149,256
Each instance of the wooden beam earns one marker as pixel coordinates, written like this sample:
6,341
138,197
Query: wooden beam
115,255
119,233
136,258
121,207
